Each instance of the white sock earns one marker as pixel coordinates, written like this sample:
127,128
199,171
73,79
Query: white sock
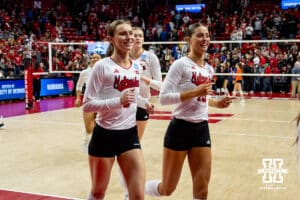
122,181
241,94
151,188
226,91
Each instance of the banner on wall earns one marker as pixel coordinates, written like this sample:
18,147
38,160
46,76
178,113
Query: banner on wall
12,89
56,86
15,88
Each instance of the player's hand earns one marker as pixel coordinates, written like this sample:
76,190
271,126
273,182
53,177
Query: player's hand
225,102
77,102
150,108
127,97
204,89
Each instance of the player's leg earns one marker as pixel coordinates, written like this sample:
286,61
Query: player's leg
100,169
141,126
199,157
172,167
89,124
200,166
102,154
131,162
174,154
142,117
133,170
89,121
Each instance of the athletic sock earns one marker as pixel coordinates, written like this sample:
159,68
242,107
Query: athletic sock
234,93
151,188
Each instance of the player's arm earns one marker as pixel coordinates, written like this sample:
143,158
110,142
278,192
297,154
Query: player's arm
155,68
79,86
91,101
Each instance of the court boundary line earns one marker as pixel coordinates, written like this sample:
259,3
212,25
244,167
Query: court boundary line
247,135
39,194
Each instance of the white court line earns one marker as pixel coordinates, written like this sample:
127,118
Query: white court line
255,135
40,194
257,120
53,122
244,134
232,118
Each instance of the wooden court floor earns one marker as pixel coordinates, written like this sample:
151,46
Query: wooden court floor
41,153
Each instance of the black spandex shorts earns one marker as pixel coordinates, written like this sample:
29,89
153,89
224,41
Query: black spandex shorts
110,143
142,114
183,135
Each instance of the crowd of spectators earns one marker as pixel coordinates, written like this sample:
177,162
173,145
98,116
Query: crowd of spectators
26,30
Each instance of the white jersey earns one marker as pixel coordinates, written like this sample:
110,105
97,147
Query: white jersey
83,77
151,69
184,74
105,85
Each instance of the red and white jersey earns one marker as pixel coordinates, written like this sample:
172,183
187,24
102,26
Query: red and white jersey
105,85
184,74
151,69
83,77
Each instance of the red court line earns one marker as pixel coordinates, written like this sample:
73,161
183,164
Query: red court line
166,115
12,195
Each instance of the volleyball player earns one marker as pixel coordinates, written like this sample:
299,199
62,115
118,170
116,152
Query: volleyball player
151,76
237,83
188,85
88,117
113,92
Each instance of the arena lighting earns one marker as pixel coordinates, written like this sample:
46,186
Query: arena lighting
192,8
286,4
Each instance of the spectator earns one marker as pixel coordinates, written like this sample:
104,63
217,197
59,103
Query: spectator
38,68
296,80
238,81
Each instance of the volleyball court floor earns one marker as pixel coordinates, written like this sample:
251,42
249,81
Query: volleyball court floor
41,151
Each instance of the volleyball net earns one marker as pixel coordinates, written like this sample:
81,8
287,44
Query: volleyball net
266,65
